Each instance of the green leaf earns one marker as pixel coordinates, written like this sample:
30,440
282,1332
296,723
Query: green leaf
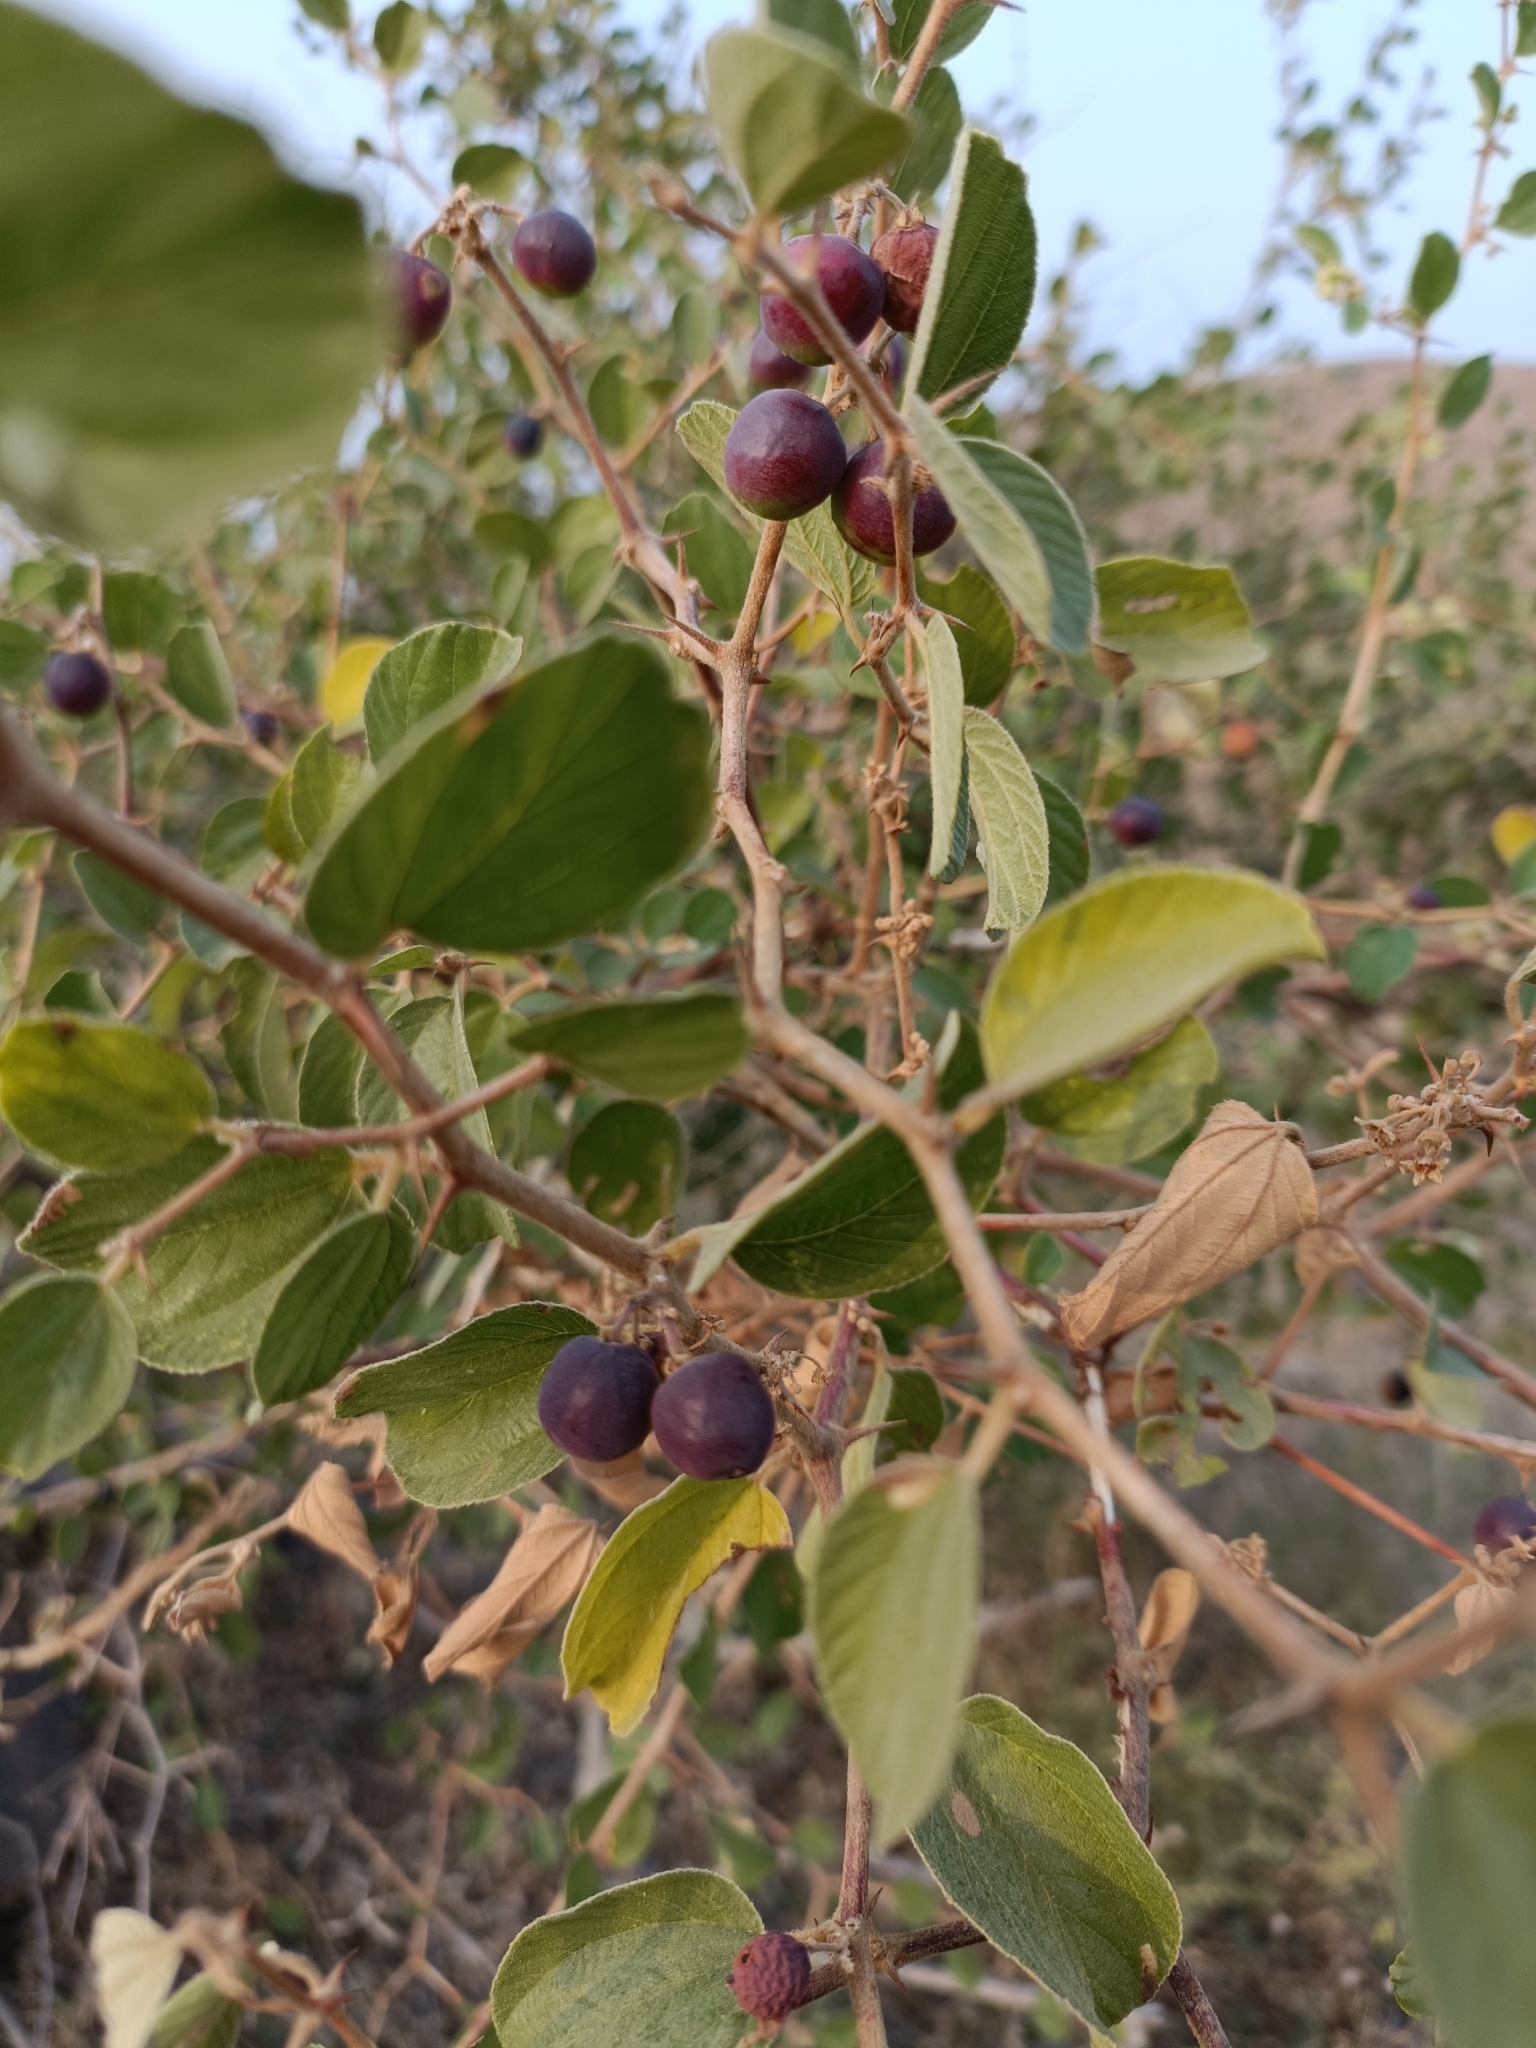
1070,854
1112,965
234,850
126,906
336,14
1440,1272
894,1619
617,1636
197,675
1011,824
332,1061
1030,1843
662,1047
1439,265
1485,83
645,1964
982,282
139,611
860,1218
1021,525
1377,958
1465,392
255,1039
985,637
1470,1868
1206,1364
100,1095
791,121
491,168
946,725
334,1302
544,808
1177,623
1525,33
1406,1980
198,2015
812,545
619,408
825,21
423,672
318,785
399,34
716,551
69,1347
215,1272
1139,1111
463,1413
962,29
23,653
626,1165
182,322
1517,216
514,533
1320,849
939,116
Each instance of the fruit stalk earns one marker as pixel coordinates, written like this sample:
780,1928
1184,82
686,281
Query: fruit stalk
738,667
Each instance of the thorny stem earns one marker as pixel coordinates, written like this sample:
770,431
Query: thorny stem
737,667
1128,1684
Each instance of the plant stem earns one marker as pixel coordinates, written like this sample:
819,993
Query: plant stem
1196,2007
1129,1680
940,14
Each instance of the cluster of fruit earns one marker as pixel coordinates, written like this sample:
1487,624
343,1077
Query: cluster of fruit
713,1417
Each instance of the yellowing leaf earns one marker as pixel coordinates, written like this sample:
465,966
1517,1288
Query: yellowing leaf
618,1633
1513,830
347,679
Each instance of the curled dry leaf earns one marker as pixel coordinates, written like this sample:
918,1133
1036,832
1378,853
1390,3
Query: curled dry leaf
193,1607
1475,1605
135,1961
1241,1188
394,1588
1164,1629
1321,1251
624,1483
543,1572
327,1515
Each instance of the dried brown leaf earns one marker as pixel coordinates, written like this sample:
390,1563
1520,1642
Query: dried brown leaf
624,1483
194,1606
394,1588
1241,1188
1321,1251
1475,1605
327,1515
1164,1629
543,1572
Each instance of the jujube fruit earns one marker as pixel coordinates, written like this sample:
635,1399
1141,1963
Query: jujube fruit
783,455
850,283
1423,898
769,369
894,368
78,685
714,1417
1395,1388
905,256
421,299
554,253
595,1399
1500,1521
263,726
771,1975
1136,821
1239,738
523,436
865,517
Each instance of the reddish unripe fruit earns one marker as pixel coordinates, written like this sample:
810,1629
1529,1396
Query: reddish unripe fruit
714,1417
1239,738
263,726
1423,898
1500,1521
866,520
850,283
421,297
769,369
523,436
595,1399
554,253
1136,821
771,1975
894,368
905,255
783,455
78,685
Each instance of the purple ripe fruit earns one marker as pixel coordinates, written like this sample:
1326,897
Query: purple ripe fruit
894,368
1136,821
1500,1521
769,369
714,1417
866,520
523,436
263,726
771,1975
783,455
595,1399
1423,898
850,283
420,300
554,253
905,255
78,685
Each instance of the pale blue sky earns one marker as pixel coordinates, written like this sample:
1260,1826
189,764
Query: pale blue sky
1154,118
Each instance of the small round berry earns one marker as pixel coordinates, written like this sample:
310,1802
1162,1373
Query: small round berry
78,685
894,368
783,455
263,726
905,255
1395,1389
771,1975
554,253
1239,739
595,1399
523,436
714,1417
1136,821
850,283
769,369
1500,1521
1423,898
421,298
862,509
